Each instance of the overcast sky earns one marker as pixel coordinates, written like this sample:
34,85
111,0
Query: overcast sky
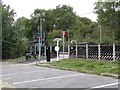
25,8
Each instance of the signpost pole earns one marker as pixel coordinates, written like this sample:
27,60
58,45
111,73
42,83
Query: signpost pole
68,45
57,47
63,34
63,46
57,51
39,50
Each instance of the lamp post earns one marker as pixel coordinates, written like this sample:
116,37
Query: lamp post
39,50
40,38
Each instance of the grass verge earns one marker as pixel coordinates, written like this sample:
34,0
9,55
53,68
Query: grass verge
106,68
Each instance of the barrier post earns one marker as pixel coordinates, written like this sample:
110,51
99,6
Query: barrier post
98,51
86,51
113,51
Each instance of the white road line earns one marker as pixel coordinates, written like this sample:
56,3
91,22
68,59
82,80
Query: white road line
51,78
13,65
106,85
19,73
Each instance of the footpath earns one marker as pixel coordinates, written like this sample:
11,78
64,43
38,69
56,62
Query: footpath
43,60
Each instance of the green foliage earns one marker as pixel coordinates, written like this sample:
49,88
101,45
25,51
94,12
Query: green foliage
84,30
81,28
108,16
64,17
61,18
16,34
52,35
13,43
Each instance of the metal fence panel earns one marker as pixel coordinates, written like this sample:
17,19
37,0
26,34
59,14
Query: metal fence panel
106,52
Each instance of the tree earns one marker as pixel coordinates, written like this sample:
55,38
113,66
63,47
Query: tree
21,25
13,43
61,18
33,25
52,35
84,29
64,17
7,32
21,30
108,13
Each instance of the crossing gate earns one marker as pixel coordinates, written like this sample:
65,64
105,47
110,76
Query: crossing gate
106,52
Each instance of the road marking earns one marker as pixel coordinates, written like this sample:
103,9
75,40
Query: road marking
106,85
19,73
6,78
51,78
14,65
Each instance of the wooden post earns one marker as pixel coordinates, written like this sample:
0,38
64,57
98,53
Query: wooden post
113,51
98,51
86,51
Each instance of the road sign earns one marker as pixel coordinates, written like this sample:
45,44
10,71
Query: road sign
37,44
39,37
38,34
57,39
56,48
63,33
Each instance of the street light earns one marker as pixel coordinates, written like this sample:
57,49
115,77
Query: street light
40,39
41,20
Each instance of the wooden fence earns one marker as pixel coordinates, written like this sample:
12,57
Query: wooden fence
100,52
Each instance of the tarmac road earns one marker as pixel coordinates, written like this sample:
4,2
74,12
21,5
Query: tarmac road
20,75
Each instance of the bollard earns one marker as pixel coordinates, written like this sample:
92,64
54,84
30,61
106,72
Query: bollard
48,53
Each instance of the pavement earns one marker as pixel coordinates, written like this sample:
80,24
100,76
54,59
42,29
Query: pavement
28,75
43,60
